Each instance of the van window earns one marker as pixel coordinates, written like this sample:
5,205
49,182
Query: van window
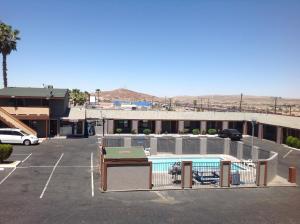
16,133
4,132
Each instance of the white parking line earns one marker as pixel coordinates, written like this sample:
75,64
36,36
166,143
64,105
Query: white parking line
2,181
17,154
160,195
42,194
92,175
59,167
287,154
26,158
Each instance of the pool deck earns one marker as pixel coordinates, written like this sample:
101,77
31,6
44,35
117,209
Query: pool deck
222,156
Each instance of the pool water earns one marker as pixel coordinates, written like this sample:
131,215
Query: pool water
163,164
179,159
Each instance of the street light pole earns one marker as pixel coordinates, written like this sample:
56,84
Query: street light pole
103,121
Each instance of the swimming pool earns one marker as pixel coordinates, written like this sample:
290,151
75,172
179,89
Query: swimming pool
201,164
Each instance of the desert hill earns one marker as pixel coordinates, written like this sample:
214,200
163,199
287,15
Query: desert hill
126,94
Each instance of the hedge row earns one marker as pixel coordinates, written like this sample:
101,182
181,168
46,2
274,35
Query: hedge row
293,142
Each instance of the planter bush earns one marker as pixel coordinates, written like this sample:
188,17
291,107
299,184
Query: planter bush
298,144
212,131
185,131
147,131
289,140
293,142
196,131
5,152
119,130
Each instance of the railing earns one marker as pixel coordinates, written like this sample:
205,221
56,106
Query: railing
206,173
166,175
12,121
243,173
27,110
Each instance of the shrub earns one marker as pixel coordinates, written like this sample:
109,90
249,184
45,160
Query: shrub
298,144
212,131
5,151
289,140
119,130
133,131
147,131
203,132
294,142
185,131
196,131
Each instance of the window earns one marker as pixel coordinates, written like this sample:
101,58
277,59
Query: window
16,133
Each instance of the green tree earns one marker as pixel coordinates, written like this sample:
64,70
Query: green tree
77,97
8,43
98,95
195,104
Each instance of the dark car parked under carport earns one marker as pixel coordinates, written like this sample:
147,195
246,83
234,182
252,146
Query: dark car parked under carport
233,134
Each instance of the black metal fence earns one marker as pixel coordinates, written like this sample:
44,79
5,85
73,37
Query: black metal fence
206,173
243,173
166,175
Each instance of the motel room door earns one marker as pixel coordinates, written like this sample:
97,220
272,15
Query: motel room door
53,127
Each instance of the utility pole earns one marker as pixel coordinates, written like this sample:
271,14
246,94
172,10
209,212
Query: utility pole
275,104
208,104
201,104
241,100
290,106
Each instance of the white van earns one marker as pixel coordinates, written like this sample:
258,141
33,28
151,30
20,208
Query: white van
16,136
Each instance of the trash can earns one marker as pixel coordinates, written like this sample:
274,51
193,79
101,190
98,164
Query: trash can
235,178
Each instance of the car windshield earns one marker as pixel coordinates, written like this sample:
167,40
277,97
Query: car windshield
23,133
233,131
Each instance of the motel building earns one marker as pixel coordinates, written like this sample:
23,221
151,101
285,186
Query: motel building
267,126
43,112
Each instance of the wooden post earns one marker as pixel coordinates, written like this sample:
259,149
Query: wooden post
292,174
186,174
150,175
225,173
261,173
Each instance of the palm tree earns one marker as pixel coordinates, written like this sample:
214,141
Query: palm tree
8,43
98,94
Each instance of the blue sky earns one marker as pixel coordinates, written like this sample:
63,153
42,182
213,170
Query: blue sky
164,48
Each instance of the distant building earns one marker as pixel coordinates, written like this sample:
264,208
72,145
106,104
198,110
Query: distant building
132,105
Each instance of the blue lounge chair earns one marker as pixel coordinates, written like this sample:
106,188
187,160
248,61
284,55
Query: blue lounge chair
213,178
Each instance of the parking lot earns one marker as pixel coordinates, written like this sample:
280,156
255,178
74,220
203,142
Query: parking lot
54,167
58,182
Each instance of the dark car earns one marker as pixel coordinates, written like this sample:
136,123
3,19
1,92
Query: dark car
233,134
